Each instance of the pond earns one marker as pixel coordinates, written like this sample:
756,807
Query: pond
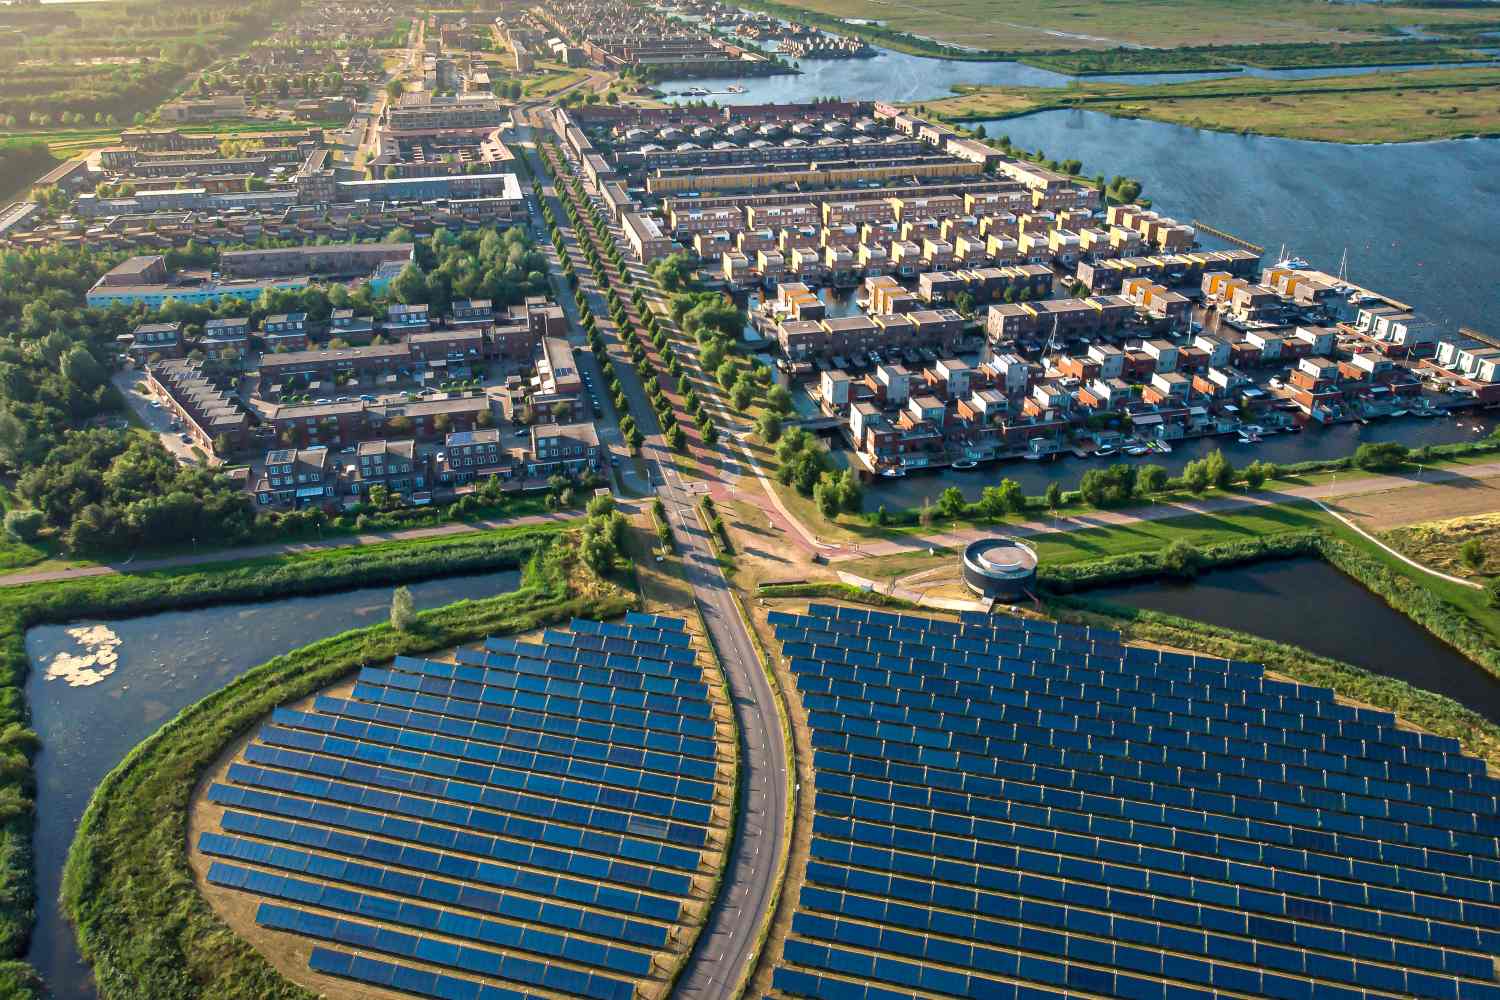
1308,603
114,683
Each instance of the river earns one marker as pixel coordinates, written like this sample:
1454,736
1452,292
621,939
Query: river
1308,603
145,671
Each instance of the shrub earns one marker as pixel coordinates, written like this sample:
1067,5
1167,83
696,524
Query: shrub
24,523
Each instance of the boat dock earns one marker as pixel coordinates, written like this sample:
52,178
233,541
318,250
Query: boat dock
1228,237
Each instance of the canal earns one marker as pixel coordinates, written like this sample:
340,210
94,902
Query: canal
1308,603
97,688
1314,443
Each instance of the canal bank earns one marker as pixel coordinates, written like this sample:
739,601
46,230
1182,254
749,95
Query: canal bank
1306,602
143,672
1316,443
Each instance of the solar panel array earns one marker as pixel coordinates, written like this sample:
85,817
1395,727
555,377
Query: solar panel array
540,817
1015,809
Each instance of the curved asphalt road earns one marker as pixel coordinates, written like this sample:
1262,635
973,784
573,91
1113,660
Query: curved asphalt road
727,943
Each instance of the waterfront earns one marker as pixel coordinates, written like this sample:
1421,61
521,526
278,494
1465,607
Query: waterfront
1404,212
152,668
1314,443
1308,603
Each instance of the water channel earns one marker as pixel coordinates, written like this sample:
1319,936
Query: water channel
1314,443
118,681
1271,600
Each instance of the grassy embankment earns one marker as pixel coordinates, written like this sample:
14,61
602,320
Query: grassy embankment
1466,547
122,596
991,28
1410,106
128,886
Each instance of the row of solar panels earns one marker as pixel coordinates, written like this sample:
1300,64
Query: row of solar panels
344,866
1102,711
992,628
387,701
501,687
1039,954
616,662
584,666
1039,746
1010,891
544,944
495,822
1359,836
1339,881
405,978
556,704
543,871
1234,771
561,777
957,873
998,920
465,958
1128,795
422,731
999,751
1082,690
1148,790
405,820
681,822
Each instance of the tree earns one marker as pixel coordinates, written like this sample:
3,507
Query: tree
1150,479
1220,470
951,502
768,426
1472,552
410,285
1053,496
403,610
779,399
742,393
1006,498
726,373
1195,474
1256,474
1108,487
24,523
1381,456
826,496
1181,558
80,367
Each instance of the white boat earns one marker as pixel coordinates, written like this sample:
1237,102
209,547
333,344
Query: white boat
964,464
1399,413
735,88
893,473
1293,263
1138,449
1162,447
1104,451
1032,456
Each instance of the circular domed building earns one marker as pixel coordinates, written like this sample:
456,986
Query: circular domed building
999,568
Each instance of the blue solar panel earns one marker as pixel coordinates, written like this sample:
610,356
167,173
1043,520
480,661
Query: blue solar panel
1095,808
550,800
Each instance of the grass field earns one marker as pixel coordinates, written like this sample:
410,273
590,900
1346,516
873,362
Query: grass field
1019,25
1439,544
1410,106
